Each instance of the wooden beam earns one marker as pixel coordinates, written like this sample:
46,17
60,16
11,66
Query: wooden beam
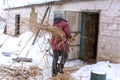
41,24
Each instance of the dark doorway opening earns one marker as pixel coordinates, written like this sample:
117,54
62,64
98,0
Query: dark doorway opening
17,25
89,36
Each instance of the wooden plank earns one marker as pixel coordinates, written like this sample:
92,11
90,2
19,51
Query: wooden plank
74,52
41,24
19,59
83,31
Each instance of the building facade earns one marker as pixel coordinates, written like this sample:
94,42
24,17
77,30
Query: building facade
95,23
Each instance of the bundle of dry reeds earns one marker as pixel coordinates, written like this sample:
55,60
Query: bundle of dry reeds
19,74
54,31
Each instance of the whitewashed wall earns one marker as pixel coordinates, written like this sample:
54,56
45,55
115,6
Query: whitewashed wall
109,33
24,20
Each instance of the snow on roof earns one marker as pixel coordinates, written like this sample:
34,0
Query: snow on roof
17,3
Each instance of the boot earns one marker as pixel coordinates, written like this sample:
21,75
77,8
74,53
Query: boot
60,68
54,73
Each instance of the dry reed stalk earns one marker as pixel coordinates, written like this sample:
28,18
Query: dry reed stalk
45,56
54,31
23,74
3,42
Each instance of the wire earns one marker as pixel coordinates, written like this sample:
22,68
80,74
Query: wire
49,11
109,6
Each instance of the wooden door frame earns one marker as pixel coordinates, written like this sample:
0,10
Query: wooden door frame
83,32
82,40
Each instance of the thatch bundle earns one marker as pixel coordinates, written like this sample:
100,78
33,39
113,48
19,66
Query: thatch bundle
19,74
54,31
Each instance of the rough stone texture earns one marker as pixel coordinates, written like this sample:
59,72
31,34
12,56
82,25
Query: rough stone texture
103,39
109,39
112,40
113,27
119,26
116,34
106,33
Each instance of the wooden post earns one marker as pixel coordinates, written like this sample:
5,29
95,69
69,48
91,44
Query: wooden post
98,75
41,24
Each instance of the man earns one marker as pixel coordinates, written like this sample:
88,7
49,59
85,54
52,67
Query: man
60,47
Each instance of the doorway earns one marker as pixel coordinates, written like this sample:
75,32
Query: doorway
89,36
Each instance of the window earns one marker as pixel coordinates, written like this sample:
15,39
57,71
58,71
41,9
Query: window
17,24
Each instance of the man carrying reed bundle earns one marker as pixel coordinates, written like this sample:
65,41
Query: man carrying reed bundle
60,45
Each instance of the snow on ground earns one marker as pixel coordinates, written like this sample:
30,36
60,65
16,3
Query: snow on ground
2,26
3,38
39,52
112,71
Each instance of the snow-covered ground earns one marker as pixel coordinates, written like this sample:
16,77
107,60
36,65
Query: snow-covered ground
111,70
2,26
22,47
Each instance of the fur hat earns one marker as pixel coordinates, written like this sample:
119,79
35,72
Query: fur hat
59,15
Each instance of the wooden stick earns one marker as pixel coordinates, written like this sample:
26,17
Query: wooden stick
41,24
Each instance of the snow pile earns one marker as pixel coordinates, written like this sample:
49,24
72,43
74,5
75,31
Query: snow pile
2,26
112,71
22,47
3,38
72,63
15,45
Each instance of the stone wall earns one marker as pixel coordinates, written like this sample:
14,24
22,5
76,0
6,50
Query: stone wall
109,34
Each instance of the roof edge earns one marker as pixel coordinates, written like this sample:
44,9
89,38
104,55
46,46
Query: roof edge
41,4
